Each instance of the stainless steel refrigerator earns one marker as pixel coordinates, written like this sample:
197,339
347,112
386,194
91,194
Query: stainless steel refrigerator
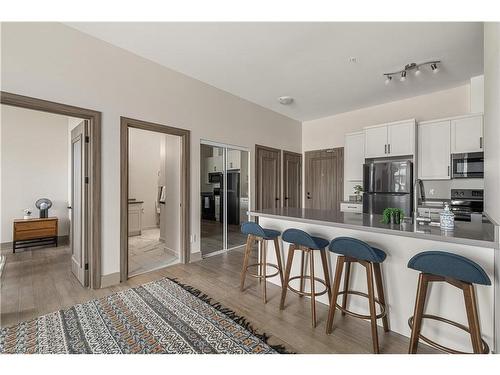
388,184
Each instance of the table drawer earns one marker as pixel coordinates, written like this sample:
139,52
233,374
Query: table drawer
351,207
35,233
31,225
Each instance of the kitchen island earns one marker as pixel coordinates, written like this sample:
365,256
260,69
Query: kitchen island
476,241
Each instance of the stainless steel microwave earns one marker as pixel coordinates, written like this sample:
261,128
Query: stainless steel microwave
470,165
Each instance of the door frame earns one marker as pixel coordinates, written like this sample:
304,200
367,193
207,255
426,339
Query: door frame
94,214
257,173
285,175
125,124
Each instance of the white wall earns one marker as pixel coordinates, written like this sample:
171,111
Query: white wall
34,165
492,119
329,131
144,167
55,62
171,178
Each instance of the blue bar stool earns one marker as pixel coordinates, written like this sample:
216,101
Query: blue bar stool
258,234
301,241
351,250
455,270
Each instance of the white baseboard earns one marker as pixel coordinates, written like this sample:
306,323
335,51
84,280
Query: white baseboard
110,280
195,257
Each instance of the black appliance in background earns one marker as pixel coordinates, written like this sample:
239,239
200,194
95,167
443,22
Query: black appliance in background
207,206
469,165
388,184
217,199
465,202
215,178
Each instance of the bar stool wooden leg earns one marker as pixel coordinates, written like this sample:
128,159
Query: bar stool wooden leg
335,292
284,288
418,312
264,270
302,262
373,312
347,277
380,292
313,291
278,257
472,317
248,250
259,259
326,272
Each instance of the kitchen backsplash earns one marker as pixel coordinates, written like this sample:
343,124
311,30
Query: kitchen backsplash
442,188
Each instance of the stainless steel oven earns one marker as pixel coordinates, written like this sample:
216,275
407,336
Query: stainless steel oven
469,165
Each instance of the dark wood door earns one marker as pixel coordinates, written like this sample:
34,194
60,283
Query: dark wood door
268,177
292,179
324,173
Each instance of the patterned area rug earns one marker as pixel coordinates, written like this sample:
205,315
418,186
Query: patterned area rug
159,317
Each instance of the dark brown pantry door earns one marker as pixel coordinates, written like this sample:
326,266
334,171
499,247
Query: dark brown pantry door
324,173
268,177
292,179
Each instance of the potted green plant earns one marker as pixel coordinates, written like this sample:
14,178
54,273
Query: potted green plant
392,215
358,189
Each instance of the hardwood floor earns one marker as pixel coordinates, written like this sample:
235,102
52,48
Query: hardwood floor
40,281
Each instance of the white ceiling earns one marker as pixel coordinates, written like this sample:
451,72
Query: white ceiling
308,61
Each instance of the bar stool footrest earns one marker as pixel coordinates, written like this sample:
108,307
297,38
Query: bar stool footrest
485,347
307,294
262,276
383,311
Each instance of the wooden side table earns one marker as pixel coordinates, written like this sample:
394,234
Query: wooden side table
34,232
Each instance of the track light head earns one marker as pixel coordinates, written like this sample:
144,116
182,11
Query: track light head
388,80
403,76
434,68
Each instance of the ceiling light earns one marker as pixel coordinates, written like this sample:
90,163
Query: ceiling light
285,100
411,67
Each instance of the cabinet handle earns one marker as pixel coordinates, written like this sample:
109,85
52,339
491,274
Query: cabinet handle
480,142
385,149
389,148
448,171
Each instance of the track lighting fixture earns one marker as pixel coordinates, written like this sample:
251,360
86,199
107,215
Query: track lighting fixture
411,67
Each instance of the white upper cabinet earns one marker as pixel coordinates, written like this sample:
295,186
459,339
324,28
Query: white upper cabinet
376,141
401,138
467,134
233,159
354,156
434,150
394,139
